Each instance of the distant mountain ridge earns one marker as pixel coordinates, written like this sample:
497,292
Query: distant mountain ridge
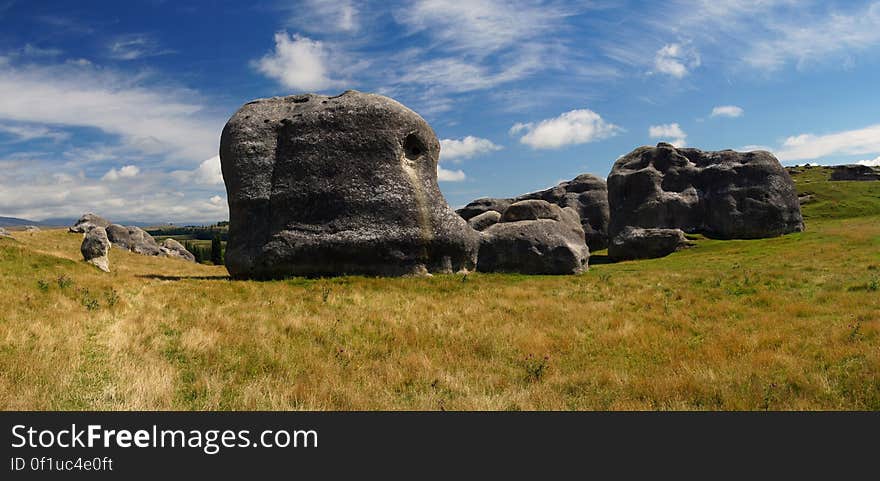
64,222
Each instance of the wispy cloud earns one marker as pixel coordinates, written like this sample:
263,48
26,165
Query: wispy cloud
676,60
446,175
135,46
21,132
125,172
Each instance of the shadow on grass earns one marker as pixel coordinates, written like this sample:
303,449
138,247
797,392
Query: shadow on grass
600,259
184,278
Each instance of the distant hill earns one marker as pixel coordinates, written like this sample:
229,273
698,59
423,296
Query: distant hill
16,222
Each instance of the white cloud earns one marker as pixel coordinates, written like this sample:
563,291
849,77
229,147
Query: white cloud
727,111
26,132
851,142
870,163
456,150
207,173
570,128
216,200
125,172
670,133
445,175
676,60
155,119
298,63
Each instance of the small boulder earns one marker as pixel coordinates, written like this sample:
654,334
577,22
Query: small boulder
641,243
171,248
484,220
96,247
31,228
4,232
483,205
87,222
545,239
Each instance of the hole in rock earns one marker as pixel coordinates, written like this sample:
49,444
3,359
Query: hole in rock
413,147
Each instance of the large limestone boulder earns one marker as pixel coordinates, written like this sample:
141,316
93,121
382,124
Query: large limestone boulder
96,247
87,222
119,236
141,242
337,185
586,194
725,194
854,172
171,248
534,237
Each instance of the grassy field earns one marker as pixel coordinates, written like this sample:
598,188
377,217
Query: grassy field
784,323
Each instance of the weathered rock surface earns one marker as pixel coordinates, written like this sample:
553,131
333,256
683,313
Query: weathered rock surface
96,247
31,228
534,237
337,185
586,194
172,248
486,219
4,232
141,242
87,222
639,243
119,236
483,205
725,194
854,172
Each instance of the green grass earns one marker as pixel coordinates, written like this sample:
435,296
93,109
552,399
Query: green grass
838,200
786,323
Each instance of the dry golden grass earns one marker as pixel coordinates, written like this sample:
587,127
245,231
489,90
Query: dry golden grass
785,323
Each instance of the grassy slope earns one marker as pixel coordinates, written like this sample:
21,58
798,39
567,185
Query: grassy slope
784,323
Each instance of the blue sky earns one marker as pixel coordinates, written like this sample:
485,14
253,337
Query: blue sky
116,107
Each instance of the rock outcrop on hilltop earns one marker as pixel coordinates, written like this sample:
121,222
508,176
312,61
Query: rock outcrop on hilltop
347,184
4,232
534,237
586,194
132,238
95,248
87,222
854,172
725,195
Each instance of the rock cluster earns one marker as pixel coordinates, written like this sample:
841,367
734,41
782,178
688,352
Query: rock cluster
725,194
131,238
534,237
854,172
4,232
586,194
337,185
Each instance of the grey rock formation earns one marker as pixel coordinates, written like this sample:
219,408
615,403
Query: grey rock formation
119,236
142,242
483,205
337,185
4,232
484,220
534,237
639,243
586,194
854,172
725,194
87,222
31,228
172,248
96,247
